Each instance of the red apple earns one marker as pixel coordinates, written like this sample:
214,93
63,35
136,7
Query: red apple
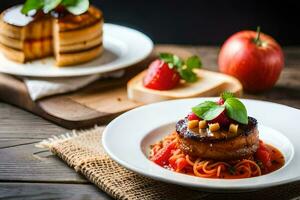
254,58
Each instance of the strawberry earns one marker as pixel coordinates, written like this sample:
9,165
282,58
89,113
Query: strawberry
160,76
221,101
222,119
165,73
225,95
192,116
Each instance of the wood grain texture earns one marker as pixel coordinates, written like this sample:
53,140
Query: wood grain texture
46,191
19,124
29,173
289,191
41,191
20,159
24,162
109,101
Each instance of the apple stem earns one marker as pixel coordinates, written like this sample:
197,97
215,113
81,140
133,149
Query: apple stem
257,38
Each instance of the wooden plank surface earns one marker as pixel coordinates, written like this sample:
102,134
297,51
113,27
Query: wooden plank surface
16,123
46,191
24,162
290,191
29,173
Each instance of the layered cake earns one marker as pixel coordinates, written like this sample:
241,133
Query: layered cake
72,39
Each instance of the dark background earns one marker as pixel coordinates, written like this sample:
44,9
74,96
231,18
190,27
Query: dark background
201,22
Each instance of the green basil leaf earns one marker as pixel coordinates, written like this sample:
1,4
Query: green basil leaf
236,110
32,5
50,5
193,62
226,95
188,75
81,6
68,2
208,110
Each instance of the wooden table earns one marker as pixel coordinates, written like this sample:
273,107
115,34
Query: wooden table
29,173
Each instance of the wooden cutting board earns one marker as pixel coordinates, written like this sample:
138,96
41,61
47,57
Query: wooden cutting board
97,103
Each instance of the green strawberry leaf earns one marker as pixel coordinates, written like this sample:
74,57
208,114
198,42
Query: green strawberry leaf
81,6
167,57
208,110
184,68
193,62
188,75
178,62
50,5
226,95
32,5
171,59
236,110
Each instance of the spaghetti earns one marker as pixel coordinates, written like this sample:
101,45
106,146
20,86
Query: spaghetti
167,154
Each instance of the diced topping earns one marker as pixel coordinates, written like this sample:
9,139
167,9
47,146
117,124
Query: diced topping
205,134
222,119
193,124
214,127
227,109
233,128
202,124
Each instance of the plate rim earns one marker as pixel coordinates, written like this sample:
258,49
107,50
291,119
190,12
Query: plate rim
187,184
86,73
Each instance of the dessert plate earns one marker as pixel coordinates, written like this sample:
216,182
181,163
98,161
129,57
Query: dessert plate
127,139
122,47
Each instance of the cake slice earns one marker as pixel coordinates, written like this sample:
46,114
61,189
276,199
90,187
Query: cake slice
78,39
72,39
24,38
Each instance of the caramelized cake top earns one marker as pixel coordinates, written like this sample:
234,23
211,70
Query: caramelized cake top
67,21
71,22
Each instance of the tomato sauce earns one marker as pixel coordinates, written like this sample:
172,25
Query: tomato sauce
277,159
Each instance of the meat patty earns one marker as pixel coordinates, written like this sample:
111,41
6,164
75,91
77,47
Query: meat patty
219,145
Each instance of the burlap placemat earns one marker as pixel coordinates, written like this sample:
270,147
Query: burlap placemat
83,151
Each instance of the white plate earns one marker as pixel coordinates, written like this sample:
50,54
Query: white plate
122,47
127,138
